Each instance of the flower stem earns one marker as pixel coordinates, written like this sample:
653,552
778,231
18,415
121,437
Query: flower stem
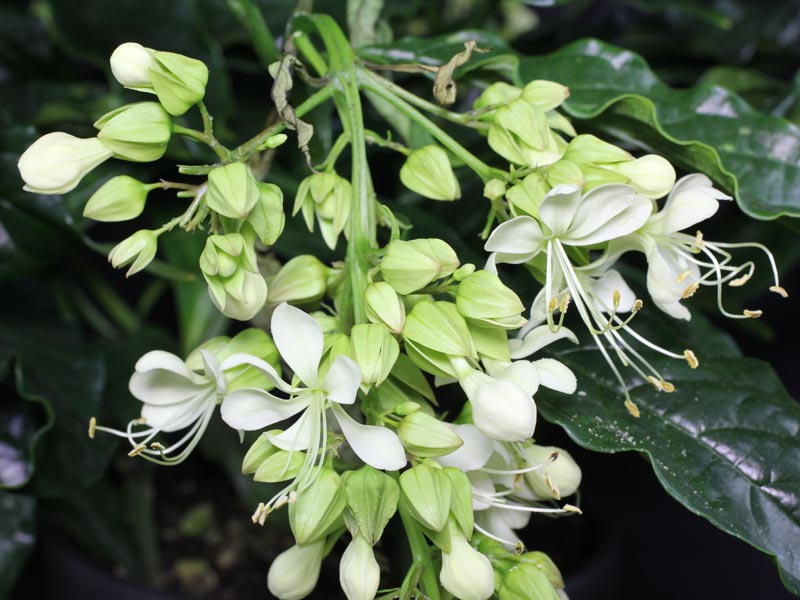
421,552
261,37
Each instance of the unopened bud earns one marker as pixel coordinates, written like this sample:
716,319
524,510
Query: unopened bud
651,175
178,81
375,350
359,573
294,573
423,435
466,573
137,132
427,171
137,250
302,280
131,64
119,199
545,95
494,189
427,490
56,162
411,265
383,305
587,148
318,507
440,327
484,298
232,191
519,133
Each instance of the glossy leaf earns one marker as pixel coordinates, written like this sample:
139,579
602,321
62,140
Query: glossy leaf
706,128
17,534
724,444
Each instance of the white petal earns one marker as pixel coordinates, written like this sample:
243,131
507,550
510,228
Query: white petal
299,340
299,436
266,369
556,376
174,417
500,409
379,447
668,276
343,380
250,409
160,386
159,359
481,482
602,291
516,238
684,210
524,374
213,371
608,212
559,206
473,454
538,338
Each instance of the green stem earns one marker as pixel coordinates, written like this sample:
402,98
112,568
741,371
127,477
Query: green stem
485,172
206,137
311,54
261,37
421,552
338,147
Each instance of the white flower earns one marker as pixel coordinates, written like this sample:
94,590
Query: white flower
299,340
466,573
294,572
359,573
56,162
174,397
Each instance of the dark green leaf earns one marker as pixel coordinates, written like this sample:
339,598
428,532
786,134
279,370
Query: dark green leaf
724,444
706,128
17,530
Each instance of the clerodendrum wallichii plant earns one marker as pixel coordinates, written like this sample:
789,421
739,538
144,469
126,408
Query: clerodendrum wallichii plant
349,423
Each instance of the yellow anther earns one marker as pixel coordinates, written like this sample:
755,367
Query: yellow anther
632,408
752,314
615,299
740,281
699,244
280,502
637,305
139,421
551,306
157,446
564,304
519,548
779,290
684,275
667,387
551,485
691,358
92,427
137,450
572,509
257,515
660,384
689,291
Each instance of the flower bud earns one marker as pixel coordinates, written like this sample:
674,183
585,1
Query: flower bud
497,95
519,133
178,81
484,298
253,341
410,265
280,466
137,250
525,197
294,573
427,490
428,172
229,267
423,435
440,327
383,305
490,342
372,497
359,573
557,478
56,162
302,280
119,199
587,148
131,64
461,499
525,581
329,197
494,189
232,191
260,451
375,350
137,132
564,171
545,564
651,175
267,217
545,95
318,507
466,573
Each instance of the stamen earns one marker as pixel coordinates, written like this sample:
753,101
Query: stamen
699,244
691,358
637,306
564,304
498,539
684,275
779,290
752,314
573,509
632,408
137,450
552,486
552,305
257,514
158,447
283,500
92,427
689,291
740,281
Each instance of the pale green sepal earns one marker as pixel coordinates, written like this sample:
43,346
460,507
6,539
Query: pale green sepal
428,172
484,298
258,452
461,499
587,148
409,374
564,171
267,217
546,565
178,81
526,196
424,436
491,342
119,199
136,132
525,582
650,175
545,95
317,507
302,280
138,250
496,95
411,265
427,490
440,327
430,361
280,466
232,191
383,305
372,497
375,350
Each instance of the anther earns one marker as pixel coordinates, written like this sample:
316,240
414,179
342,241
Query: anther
689,291
292,497
137,450
684,275
551,306
139,421
553,457
615,299
257,514
779,290
564,303
667,387
92,427
698,241
551,485
572,509
752,314
157,446
632,408
280,502
740,281
637,305
691,358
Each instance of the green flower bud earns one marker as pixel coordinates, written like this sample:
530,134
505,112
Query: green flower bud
490,342
131,64
557,478
520,134
545,564
280,466
302,280
119,199
359,573
274,141
229,267
484,298
564,171
440,327
329,197
178,81
232,191
427,490
318,507
294,573
526,196
523,582
375,350
267,217
137,250
56,162
587,148
545,95
494,189
497,95
465,573
428,172
383,305
137,132
410,265
423,435
372,497
258,452
651,175
328,323
461,499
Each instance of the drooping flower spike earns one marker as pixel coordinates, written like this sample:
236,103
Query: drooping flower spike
299,339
